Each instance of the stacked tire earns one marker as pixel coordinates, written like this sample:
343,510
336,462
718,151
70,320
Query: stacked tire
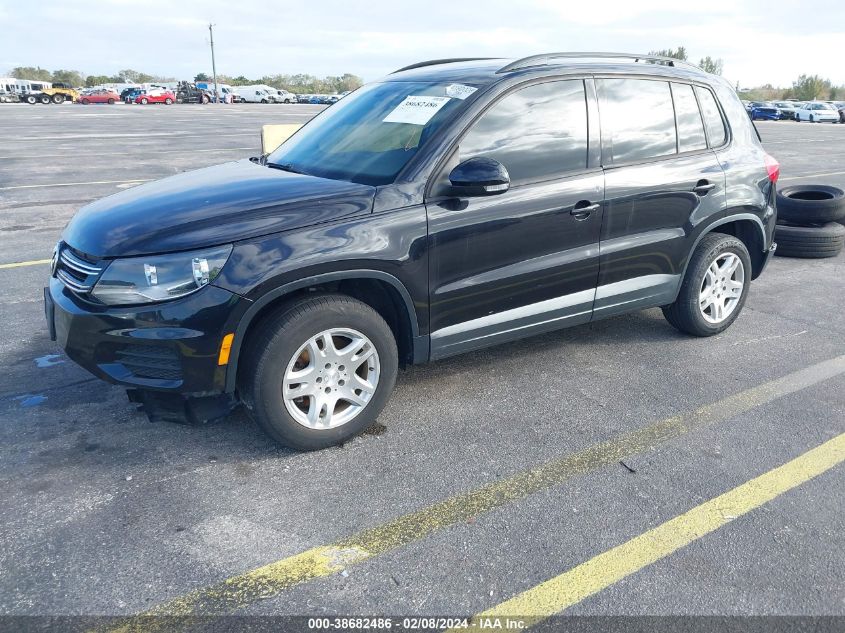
811,221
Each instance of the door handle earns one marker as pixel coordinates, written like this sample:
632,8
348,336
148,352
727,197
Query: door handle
703,187
583,209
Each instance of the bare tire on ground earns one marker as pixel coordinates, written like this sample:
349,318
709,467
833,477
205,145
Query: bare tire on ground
810,242
318,371
811,204
714,288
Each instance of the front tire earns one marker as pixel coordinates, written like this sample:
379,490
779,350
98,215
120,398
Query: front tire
168,101
144,101
319,371
714,288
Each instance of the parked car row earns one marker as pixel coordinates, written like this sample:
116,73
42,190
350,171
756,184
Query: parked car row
185,92
812,111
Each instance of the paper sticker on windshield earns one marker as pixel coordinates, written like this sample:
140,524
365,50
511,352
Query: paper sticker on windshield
459,91
417,110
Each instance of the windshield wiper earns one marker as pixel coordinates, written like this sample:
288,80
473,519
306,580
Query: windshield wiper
284,167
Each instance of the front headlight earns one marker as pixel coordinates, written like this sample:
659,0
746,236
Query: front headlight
159,277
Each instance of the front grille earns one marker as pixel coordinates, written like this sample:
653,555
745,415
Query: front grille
76,271
146,361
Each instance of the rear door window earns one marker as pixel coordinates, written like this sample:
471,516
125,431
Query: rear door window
637,118
716,132
690,126
537,133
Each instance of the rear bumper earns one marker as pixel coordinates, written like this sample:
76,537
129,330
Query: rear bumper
171,347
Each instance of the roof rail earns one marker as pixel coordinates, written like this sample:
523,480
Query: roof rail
537,60
434,62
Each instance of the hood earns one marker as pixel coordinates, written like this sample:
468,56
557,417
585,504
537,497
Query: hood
206,207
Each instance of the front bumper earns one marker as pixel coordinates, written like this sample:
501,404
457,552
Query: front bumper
171,346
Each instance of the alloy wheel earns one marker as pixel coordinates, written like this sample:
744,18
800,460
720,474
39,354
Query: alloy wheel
331,378
721,288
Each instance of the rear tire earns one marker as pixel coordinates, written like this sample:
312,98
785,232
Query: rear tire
696,311
284,357
168,101
111,101
45,99
85,102
58,98
144,101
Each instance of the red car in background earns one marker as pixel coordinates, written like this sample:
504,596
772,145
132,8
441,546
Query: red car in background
156,96
99,96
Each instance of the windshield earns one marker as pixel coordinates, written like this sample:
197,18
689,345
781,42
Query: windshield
370,135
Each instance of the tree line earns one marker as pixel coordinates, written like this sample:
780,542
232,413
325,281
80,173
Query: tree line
299,83
804,88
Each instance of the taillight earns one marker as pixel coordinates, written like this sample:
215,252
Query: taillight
772,168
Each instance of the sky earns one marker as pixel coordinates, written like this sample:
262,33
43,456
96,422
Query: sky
765,41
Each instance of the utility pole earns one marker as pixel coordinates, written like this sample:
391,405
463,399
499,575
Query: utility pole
213,67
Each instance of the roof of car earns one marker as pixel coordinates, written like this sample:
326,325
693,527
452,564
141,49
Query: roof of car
488,71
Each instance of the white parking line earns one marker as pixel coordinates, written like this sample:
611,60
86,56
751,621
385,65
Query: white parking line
827,173
132,135
75,184
95,154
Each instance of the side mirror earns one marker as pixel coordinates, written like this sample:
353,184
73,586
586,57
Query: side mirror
479,176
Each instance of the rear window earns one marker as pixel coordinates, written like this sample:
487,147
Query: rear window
690,126
716,132
638,118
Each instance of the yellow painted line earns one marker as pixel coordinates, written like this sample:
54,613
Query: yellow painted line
272,579
598,573
32,262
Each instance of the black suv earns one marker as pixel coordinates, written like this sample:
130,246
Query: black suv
453,205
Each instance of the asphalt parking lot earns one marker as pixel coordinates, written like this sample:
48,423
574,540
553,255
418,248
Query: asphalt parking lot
488,473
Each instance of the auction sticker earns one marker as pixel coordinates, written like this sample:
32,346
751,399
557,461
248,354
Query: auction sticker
417,110
459,91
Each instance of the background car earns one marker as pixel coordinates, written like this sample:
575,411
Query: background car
303,98
129,94
156,96
98,96
787,109
765,112
285,96
252,94
817,112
